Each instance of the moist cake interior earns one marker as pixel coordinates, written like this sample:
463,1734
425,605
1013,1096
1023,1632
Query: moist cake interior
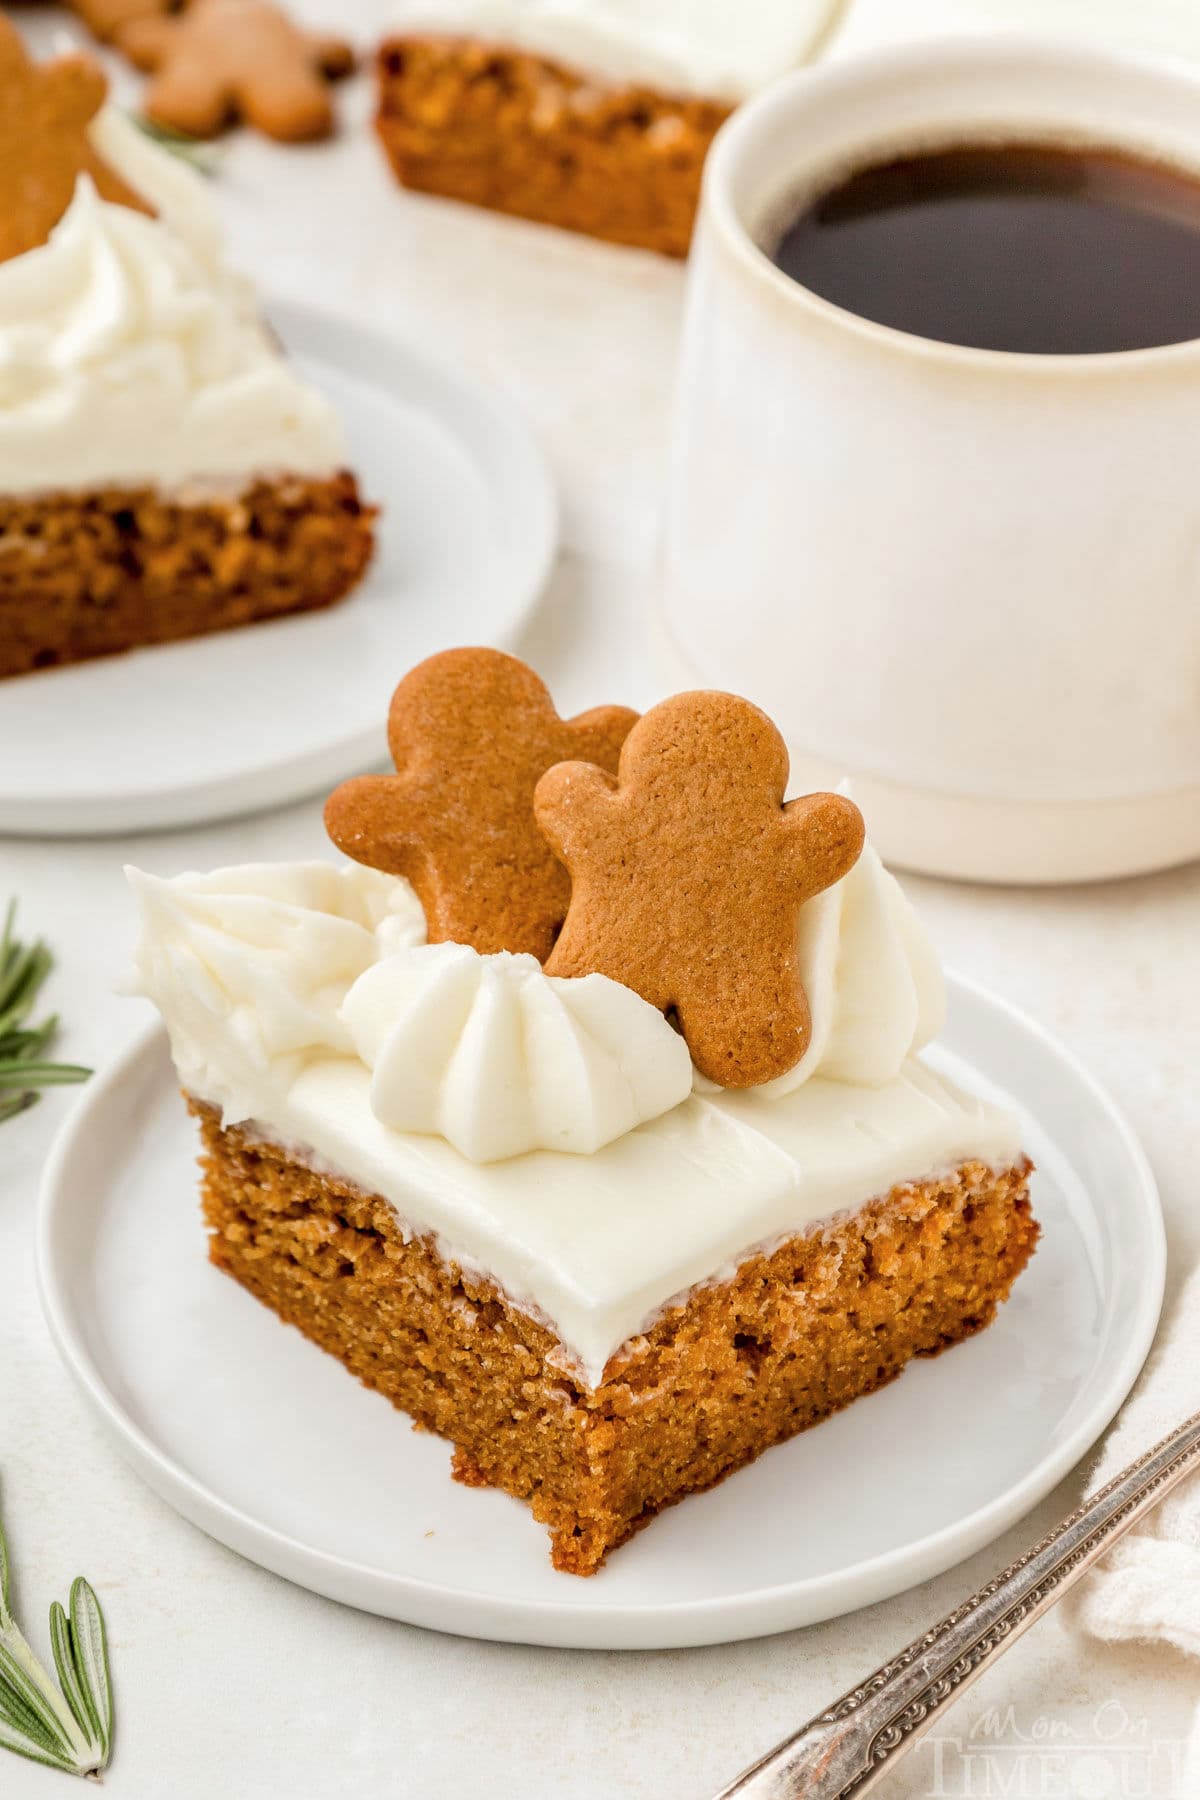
105,570
518,133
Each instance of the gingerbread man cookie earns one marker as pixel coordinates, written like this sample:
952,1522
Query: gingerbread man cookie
470,732
45,111
224,60
689,872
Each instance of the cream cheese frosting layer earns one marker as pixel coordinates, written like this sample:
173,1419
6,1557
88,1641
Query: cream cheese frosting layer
706,48
253,969
598,1245
130,356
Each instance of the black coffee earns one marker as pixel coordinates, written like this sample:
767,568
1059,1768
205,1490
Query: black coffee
1009,247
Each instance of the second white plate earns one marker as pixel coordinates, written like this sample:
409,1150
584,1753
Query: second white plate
256,1436
222,725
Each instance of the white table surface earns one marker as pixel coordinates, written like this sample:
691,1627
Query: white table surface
229,1681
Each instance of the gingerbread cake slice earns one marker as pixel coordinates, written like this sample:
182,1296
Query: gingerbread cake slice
508,1200
586,114
164,471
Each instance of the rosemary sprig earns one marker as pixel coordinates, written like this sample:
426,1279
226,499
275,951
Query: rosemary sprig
67,1726
24,1069
203,156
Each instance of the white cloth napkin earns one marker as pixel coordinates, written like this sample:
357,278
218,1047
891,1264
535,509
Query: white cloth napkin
1148,1587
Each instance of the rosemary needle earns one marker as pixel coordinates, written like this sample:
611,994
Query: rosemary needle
66,1725
200,154
24,1069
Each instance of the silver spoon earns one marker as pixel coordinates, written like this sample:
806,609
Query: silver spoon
845,1750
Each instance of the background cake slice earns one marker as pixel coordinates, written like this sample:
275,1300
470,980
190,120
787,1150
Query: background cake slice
164,471
588,114
507,1200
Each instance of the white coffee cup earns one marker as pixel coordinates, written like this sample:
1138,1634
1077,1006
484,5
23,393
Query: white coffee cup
968,579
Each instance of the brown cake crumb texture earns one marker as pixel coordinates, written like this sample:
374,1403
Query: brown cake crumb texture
521,134
90,573
735,1368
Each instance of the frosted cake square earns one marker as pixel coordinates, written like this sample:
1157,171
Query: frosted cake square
510,1202
592,115
164,471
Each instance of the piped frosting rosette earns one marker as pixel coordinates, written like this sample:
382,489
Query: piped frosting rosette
249,966
499,1058
874,984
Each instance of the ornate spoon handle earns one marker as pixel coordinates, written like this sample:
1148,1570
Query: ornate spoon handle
842,1753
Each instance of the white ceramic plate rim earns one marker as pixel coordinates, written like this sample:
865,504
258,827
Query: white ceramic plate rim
524,492
473,1613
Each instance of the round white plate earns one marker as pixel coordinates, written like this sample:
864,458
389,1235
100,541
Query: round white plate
268,1444
221,725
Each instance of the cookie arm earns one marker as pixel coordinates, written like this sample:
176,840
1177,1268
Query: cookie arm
146,41
334,56
107,19
110,186
568,803
360,817
73,88
824,835
288,101
600,733
188,95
